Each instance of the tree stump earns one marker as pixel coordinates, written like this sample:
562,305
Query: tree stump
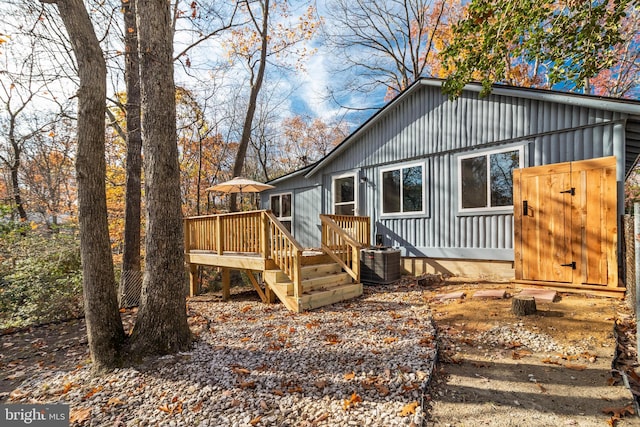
523,306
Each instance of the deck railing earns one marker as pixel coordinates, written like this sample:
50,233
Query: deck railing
342,238
233,232
254,232
285,251
358,227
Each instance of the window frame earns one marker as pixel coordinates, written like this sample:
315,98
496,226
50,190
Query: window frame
400,167
356,193
487,155
280,217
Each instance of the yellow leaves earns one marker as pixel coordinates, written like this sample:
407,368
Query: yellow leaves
349,376
256,420
351,402
79,415
390,340
409,409
67,387
168,409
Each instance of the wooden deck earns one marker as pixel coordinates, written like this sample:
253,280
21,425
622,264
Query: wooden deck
257,243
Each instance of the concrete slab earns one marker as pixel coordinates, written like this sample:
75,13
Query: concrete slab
540,295
490,293
451,295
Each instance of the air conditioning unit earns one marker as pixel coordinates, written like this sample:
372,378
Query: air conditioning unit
379,265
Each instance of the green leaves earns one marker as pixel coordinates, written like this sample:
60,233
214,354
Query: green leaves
538,43
40,279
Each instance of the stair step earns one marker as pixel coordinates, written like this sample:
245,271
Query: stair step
321,298
312,271
275,276
282,288
325,282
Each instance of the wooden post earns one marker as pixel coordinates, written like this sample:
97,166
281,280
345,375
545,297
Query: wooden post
264,235
194,284
523,305
297,273
355,262
226,284
219,237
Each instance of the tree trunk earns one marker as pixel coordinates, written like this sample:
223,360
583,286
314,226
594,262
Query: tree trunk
104,326
161,326
131,264
256,85
15,184
523,306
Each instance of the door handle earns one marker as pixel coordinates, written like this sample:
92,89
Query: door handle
525,208
572,264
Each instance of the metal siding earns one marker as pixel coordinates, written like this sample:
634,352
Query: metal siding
425,124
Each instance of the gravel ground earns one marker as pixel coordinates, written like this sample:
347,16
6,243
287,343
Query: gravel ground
355,363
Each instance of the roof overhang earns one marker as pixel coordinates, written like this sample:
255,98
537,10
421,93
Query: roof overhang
629,107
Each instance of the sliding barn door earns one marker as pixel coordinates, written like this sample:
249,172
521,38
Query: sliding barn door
565,223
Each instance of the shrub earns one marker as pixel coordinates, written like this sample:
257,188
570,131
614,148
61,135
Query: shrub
40,278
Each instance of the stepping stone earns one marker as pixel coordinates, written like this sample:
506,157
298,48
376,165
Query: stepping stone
451,295
540,295
490,293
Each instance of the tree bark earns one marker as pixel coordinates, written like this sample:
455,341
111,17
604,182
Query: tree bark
161,326
15,184
131,262
523,306
256,85
104,326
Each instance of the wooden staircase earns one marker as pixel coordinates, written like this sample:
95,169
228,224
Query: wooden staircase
257,242
322,283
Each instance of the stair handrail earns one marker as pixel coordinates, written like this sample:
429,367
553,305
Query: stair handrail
341,246
285,251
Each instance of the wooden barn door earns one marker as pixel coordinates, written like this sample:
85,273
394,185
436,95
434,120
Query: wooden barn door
565,223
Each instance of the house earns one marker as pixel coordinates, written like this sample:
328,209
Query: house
523,184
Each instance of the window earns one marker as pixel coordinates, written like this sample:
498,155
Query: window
486,181
281,208
403,190
344,195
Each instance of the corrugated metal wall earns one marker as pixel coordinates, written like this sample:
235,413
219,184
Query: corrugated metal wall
428,128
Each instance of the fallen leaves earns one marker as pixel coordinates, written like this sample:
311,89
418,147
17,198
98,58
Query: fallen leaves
332,339
92,392
352,401
349,376
519,354
247,384
618,413
79,415
575,367
409,409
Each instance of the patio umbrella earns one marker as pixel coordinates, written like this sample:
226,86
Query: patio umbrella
240,185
